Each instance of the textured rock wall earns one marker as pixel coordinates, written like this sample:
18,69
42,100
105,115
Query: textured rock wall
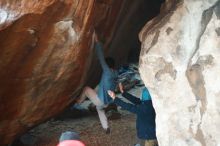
45,53
180,64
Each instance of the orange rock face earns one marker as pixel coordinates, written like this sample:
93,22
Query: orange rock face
45,51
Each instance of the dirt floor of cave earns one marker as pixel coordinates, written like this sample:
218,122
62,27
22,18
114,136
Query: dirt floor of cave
123,131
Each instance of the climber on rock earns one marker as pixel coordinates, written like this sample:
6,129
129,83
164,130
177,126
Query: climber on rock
143,108
108,82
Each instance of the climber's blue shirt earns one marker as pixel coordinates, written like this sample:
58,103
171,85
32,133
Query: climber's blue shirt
108,79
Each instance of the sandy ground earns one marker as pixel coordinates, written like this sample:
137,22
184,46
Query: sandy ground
123,132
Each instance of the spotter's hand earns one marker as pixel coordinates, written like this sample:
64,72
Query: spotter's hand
111,94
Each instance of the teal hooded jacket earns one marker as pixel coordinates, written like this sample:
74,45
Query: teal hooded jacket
145,122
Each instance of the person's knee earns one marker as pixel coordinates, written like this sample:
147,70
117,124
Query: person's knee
86,89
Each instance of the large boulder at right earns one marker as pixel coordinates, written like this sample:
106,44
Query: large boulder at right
180,64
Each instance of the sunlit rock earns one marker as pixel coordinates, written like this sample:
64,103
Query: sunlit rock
180,65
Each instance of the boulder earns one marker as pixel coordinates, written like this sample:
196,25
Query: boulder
179,63
46,52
